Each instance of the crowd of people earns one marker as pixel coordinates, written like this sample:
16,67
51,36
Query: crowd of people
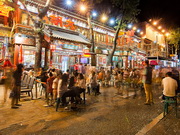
83,78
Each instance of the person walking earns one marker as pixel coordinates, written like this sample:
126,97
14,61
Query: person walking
147,82
15,93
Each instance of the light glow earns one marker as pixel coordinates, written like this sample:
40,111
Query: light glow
94,13
163,31
112,21
154,23
159,27
83,8
69,2
129,26
134,28
138,30
104,18
167,34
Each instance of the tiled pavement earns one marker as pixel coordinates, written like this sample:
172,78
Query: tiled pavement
107,113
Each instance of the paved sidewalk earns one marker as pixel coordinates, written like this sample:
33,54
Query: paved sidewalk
107,113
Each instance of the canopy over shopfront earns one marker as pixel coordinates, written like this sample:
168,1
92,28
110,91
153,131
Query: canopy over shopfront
70,36
67,35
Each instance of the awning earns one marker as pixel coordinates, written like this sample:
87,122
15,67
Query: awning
72,36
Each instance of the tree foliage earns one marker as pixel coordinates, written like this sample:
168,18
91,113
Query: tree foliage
174,38
128,10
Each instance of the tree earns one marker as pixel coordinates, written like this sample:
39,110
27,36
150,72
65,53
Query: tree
174,38
127,14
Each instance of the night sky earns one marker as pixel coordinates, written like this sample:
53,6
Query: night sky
168,11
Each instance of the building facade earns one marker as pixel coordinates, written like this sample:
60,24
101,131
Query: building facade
67,39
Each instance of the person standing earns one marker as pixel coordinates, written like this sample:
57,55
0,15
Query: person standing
147,82
50,88
15,94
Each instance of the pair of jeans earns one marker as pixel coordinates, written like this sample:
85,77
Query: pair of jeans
148,91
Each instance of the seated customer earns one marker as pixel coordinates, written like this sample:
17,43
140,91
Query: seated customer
169,86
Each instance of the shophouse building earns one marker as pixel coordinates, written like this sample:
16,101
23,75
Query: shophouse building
66,39
155,44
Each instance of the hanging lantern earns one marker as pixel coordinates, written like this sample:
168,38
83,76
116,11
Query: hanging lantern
52,47
7,63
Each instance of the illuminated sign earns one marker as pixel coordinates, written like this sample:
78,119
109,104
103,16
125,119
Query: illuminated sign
59,21
24,39
4,9
130,34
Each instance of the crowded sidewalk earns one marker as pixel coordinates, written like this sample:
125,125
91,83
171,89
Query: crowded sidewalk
107,113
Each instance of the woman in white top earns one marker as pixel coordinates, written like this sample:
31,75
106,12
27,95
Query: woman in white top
62,85
81,81
55,85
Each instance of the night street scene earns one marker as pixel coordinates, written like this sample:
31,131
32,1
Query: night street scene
89,67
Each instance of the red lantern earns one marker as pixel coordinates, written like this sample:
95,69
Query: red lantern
52,47
7,63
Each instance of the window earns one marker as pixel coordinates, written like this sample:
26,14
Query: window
24,19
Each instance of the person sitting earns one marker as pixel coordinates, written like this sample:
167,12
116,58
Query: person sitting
81,81
94,84
169,86
74,92
71,82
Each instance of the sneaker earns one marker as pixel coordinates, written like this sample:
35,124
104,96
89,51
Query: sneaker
46,105
152,103
66,108
18,105
14,107
147,103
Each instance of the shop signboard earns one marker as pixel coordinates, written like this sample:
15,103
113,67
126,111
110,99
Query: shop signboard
71,47
4,9
58,20
104,51
4,33
117,53
24,39
115,58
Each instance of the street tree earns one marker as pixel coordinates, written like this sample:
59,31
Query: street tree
174,39
128,10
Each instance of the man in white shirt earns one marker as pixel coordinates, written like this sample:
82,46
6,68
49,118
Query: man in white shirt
169,85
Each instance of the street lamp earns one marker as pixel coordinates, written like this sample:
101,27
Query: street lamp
154,23
94,14
69,2
163,31
134,28
112,21
104,18
159,27
83,8
129,26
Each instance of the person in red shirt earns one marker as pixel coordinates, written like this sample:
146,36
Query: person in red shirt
76,67
49,88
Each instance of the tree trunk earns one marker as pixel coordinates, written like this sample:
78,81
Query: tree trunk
38,52
110,56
